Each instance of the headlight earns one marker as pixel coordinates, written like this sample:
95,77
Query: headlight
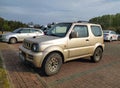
3,36
35,47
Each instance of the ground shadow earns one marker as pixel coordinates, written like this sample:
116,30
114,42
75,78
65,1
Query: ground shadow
83,60
79,60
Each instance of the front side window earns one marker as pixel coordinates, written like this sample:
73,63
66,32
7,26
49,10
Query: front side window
113,32
17,30
82,30
25,31
21,30
59,29
35,30
32,30
96,30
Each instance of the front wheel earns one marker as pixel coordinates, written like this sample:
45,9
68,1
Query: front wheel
97,55
52,63
12,40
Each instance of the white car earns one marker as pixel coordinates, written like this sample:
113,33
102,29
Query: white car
110,35
118,37
20,34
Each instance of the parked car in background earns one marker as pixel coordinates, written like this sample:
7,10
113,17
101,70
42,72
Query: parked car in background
118,37
110,35
0,37
20,34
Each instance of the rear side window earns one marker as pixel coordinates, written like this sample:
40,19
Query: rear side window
96,30
35,30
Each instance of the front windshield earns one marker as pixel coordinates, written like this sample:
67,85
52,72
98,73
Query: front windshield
16,31
105,31
59,29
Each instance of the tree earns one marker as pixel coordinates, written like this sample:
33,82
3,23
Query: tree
111,22
37,26
10,25
1,22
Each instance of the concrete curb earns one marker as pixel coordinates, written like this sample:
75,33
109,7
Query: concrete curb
8,76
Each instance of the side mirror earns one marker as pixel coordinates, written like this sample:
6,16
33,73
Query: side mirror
74,34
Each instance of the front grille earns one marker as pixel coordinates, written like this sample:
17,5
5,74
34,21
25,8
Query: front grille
30,57
27,45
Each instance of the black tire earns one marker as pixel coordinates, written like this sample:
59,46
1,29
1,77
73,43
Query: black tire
110,39
12,40
52,63
97,55
118,38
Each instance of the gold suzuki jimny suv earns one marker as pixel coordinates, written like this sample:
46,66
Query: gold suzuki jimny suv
63,42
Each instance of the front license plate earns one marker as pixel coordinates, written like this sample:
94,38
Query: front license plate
22,57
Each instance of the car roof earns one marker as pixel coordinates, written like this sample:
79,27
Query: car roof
84,23
29,28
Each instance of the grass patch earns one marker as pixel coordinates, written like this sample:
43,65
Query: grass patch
3,77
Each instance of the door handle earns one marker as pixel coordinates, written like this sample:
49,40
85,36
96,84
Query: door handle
87,39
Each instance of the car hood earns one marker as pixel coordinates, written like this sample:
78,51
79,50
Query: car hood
41,39
9,33
46,41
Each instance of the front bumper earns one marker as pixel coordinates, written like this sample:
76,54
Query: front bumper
4,38
106,38
32,57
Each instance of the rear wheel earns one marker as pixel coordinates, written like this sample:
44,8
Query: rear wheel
12,40
118,38
52,63
97,55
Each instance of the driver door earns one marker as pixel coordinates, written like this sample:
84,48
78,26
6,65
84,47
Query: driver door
23,33
79,46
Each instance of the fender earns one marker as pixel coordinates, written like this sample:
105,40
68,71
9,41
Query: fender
54,48
99,45
13,36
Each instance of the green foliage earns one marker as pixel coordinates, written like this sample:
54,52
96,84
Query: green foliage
3,77
1,22
10,25
111,22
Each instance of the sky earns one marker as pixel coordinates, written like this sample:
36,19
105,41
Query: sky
48,11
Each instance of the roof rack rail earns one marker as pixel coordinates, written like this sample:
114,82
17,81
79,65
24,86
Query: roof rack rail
82,21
